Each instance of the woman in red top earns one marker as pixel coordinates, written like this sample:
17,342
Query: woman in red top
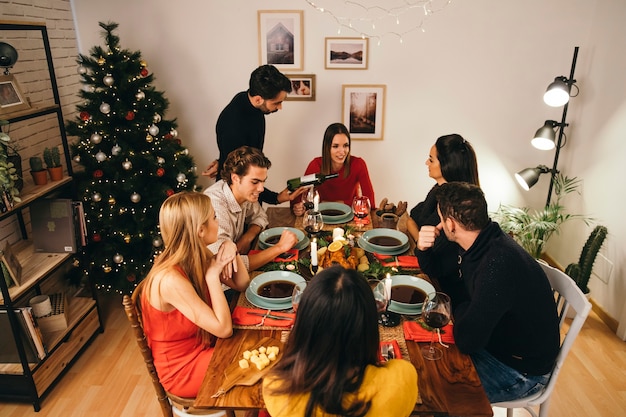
353,179
183,307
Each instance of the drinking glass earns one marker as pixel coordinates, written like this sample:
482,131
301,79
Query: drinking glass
296,296
361,208
309,197
312,222
436,314
381,296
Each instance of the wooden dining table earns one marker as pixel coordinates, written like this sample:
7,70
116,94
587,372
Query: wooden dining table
447,387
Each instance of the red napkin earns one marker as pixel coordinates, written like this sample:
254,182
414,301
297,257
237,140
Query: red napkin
396,350
406,261
414,331
242,318
282,257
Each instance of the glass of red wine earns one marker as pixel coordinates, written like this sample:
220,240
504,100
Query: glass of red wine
308,198
436,314
312,222
361,208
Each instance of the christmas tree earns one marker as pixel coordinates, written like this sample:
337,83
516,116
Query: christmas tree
132,159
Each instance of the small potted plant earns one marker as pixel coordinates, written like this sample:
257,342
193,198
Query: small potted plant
53,162
8,176
40,175
12,155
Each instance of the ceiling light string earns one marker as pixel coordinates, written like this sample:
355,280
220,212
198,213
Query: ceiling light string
368,19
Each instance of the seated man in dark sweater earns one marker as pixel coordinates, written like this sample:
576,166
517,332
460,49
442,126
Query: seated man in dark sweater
509,325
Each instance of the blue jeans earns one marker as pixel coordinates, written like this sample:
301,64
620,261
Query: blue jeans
503,383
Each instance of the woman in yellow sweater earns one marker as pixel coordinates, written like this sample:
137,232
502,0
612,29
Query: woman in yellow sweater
330,362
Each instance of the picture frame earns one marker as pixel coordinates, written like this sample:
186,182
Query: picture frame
11,97
281,41
303,87
364,110
346,53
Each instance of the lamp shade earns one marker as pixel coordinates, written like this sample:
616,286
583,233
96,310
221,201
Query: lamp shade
8,56
545,136
557,93
529,176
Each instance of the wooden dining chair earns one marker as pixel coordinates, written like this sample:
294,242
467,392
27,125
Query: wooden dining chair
171,405
567,294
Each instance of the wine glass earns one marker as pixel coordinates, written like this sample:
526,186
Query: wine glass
382,296
361,208
309,197
436,314
296,296
312,222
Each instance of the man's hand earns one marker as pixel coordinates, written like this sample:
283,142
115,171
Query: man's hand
211,170
285,195
427,236
288,240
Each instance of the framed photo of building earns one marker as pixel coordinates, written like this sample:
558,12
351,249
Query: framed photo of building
346,53
281,40
302,87
11,97
364,110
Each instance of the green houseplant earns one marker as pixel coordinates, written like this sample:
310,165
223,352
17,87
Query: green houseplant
533,228
52,157
8,173
39,174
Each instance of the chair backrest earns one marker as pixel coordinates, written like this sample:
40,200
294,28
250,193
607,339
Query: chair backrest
567,295
140,337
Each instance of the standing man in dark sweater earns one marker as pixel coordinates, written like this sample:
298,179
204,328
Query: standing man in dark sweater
509,325
242,122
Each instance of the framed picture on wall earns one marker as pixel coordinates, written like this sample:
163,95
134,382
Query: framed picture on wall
364,110
281,40
11,97
302,87
346,53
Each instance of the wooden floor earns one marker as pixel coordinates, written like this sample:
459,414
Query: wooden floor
110,379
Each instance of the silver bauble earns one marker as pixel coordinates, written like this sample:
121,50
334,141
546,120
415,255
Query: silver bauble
101,156
156,118
154,130
157,242
108,80
174,133
118,258
96,197
77,158
135,197
81,70
140,95
127,165
96,138
160,160
116,149
105,108
181,177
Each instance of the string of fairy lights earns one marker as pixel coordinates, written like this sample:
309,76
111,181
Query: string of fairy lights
377,19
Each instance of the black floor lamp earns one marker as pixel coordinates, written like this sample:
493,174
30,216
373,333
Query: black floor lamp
557,94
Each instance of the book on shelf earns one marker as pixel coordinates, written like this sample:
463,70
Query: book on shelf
8,345
81,230
34,331
53,225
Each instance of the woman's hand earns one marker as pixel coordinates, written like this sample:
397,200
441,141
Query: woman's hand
298,209
225,261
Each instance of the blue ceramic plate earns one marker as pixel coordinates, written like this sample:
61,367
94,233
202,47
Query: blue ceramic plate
276,232
391,252
271,276
340,207
379,233
340,220
410,281
413,311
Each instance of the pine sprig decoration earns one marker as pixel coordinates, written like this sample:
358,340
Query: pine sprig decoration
132,160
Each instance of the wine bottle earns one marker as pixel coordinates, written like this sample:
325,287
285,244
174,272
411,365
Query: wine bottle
311,179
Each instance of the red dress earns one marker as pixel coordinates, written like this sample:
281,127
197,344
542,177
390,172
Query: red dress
179,357
344,189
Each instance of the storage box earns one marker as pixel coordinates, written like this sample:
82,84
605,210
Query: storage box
57,320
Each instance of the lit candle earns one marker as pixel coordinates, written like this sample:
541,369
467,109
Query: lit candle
316,202
314,252
338,233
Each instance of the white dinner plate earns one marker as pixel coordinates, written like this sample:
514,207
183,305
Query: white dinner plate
277,231
383,232
271,276
259,302
368,248
410,281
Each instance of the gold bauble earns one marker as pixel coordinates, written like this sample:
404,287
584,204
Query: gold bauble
127,238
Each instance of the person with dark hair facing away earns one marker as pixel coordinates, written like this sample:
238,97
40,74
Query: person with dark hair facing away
242,122
509,324
330,361
451,158
182,304
241,218
353,179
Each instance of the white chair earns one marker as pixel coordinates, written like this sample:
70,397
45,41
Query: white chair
567,294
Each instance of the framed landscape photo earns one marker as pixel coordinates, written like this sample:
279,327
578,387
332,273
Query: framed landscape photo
364,110
11,97
281,40
302,87
346,53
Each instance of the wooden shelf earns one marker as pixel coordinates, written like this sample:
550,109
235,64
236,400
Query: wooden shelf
33,192
34,111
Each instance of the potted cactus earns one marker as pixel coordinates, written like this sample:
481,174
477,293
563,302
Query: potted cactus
53,162
39,174
581,272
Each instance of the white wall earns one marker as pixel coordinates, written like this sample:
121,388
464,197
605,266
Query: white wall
479,69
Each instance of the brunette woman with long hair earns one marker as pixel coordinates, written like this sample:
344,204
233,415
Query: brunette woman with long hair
183,307
330,362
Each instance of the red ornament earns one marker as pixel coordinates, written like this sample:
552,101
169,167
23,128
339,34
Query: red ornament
170,192
168,136
130,115
160,172
131,277
96,237
179,141
144,72
84,116
98,173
